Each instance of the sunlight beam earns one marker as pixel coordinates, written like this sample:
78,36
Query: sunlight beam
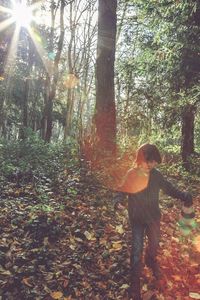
6,23
36,5
5,10
22,15
48,64
12,53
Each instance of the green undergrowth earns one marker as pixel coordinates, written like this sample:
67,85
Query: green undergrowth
32,157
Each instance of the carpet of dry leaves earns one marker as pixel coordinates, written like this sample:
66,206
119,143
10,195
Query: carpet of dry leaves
70,244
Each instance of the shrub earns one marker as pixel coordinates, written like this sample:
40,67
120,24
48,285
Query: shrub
35,157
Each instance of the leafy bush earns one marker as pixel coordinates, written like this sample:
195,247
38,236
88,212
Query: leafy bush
35,157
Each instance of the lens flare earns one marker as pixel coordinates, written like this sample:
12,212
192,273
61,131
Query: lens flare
51,55
186,225
71,81
22,14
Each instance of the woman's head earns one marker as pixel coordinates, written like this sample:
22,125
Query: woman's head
149,154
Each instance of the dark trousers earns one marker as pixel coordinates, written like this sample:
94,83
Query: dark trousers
139,230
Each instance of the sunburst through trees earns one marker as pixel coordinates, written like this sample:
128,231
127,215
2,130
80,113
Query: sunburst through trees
22,16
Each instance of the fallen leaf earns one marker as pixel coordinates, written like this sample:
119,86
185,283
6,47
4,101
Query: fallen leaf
120,229
46,241
109,228
177,277
124,286
103,241
196,243
194,295
78,239
175,239
65,283
148,295
72,247
56,295
77,266
116,246
166,253
26,282
4,272
89,236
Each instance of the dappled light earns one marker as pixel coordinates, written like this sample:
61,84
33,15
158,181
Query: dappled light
12,53
99,150
78,235
38,42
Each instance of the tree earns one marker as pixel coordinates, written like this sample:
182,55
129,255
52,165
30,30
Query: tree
80,64
163,65
105,115
52,78
187,145
5,38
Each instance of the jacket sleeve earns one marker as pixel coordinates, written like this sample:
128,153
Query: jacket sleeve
169,189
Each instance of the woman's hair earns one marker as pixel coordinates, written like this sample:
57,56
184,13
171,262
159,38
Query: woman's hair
146,153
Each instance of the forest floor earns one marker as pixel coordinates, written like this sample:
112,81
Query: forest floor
69,243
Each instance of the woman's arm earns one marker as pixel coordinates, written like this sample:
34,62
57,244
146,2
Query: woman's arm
169,189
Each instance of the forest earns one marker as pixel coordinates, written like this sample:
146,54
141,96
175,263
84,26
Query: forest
84,83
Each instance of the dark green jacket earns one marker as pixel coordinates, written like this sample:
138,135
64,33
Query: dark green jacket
143,206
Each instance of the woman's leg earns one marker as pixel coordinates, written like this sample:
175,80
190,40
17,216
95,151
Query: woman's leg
137,243
153,234
136,258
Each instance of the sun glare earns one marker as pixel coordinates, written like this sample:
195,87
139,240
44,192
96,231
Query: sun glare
22,14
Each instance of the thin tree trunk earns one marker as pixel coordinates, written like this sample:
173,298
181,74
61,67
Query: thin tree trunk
25,106
53,84
25,121
69,113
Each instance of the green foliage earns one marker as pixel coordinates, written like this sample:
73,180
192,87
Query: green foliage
158,66
42,208
32,156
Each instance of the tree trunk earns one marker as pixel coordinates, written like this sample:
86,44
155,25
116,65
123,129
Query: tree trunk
54,80
25,92
2,116
69,112
22,134
105,117
49,119
187,143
